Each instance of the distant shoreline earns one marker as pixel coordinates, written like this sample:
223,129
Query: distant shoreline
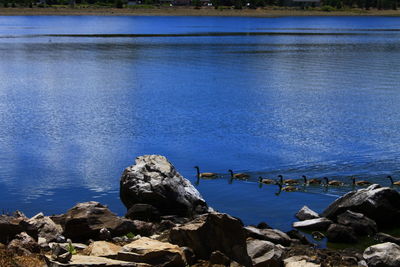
188,11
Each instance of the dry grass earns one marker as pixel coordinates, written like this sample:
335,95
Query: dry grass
7,259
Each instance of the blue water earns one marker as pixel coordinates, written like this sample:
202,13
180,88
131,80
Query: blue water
81,97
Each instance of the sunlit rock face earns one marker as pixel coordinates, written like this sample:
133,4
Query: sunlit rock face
153,180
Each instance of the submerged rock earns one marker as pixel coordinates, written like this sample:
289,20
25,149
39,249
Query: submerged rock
305,213
385,254
381,204
154,181
211,232
85,220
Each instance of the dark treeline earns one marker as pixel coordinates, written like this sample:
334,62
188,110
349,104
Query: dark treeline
238,4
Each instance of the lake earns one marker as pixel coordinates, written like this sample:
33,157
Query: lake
81,97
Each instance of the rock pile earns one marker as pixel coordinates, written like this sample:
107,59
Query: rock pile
169,224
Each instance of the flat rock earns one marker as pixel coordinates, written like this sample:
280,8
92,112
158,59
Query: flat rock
314,224
381,204
385,254
305,213
92,261
153,252
273,235
264,253
102,249
154,181
211,232
299,261
361,224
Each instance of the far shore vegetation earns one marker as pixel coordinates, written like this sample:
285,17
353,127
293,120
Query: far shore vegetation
257,8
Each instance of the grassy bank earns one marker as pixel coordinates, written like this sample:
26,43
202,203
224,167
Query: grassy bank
191,11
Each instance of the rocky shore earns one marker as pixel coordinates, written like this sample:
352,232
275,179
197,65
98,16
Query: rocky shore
168,223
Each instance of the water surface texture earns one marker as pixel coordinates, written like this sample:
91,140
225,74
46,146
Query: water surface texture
81,97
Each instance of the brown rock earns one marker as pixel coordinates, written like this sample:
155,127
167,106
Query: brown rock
211,232
153,252
102,249
23,244
264,253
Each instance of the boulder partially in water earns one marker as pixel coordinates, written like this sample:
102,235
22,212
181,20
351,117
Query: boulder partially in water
381,204
154,181
305,213
361,224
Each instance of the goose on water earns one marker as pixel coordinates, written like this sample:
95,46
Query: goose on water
287,181
360,183
241,176
391,180
333,182
204,174
266,181
311,181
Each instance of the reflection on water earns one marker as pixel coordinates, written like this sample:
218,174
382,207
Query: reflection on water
292,96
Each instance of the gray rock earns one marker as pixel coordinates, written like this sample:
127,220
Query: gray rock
60,253
361,224
46,227
85,220
305,213
23,244
381,204
273,235
341,234
211,232
264,253
383,255
299,261
382,237
295,234
153,180
314,224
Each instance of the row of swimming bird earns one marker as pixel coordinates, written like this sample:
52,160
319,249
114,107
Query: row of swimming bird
289,183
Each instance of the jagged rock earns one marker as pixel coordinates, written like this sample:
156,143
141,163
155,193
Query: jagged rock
189,255
60,253
153,252
340,233
45,226
385,254
361,224
102,249
210,232
299,261
85,220
382,237
381,204
264,253
105,234
10,226
23,244
305,213
92,261
154,180
313,224
294,234
143,212
273,235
